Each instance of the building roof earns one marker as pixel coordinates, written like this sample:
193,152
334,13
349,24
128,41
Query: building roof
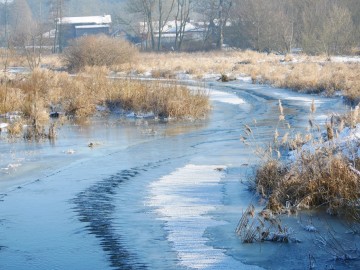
189,27
92,26
172,27
106,19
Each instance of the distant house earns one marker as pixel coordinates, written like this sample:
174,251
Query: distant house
75,27
192,31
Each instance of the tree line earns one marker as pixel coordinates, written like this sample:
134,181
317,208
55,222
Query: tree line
321,26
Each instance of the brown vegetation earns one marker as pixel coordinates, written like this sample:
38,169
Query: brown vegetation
263,226
98,51
320,175
311,74
43,91
319,179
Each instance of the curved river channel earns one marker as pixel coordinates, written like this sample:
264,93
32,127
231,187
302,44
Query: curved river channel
152,195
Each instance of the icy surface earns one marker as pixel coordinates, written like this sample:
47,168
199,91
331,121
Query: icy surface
225,97
184,201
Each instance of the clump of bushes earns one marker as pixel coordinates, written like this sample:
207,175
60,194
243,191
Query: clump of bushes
98,50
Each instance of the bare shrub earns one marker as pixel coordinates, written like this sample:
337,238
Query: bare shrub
98,51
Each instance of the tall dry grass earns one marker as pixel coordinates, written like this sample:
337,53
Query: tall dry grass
320,175
313,74
44,91
10,57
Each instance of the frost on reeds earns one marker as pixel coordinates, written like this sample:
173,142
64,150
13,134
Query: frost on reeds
42,92
322,173
263,226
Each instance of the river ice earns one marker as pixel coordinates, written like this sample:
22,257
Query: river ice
169,199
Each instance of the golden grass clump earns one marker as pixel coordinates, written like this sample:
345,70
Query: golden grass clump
10,57
268,176
164,100
315,180
321,181
11,99
163,73
319,175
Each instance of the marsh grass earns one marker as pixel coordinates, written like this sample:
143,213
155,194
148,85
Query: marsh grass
321,176
44,91
311,74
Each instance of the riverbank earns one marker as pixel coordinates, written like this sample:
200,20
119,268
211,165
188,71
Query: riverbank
310,74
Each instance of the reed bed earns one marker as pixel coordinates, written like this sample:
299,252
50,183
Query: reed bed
324,171
43,92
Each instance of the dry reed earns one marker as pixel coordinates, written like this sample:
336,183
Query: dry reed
43,92
299,72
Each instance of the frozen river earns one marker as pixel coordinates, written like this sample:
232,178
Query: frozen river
148,195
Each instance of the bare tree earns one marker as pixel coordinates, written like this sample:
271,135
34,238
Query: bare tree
154,15
327,28
21,22
224,11
33,51
5,19
56,9
163,15
182,17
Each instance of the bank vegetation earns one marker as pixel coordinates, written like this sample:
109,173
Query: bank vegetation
42,93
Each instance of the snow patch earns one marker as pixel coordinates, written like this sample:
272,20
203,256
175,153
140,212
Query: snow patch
184,200
345,59
347,143
11,167
3,125
226,97
246,79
